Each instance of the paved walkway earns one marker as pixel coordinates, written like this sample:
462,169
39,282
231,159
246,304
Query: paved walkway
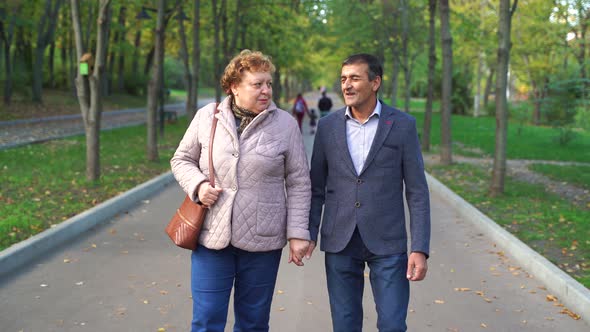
22,132
127,276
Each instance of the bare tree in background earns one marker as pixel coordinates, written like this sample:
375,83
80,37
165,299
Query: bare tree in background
431,73
499,168
88,86
447,80
154,86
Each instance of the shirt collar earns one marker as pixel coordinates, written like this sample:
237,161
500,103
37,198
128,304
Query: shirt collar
376,111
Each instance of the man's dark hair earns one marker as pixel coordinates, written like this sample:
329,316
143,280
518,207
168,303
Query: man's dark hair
375,68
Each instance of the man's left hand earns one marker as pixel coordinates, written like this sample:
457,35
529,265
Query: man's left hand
417,266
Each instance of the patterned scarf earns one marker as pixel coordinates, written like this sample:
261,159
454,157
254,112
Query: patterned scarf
245,116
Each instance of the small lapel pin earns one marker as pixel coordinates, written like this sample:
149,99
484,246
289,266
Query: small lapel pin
388,122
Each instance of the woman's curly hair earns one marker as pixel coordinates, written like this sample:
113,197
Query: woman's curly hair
252,61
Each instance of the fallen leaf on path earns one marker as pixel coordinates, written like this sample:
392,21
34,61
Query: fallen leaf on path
462,289
570,313
551,298
280,291
484,325
439,301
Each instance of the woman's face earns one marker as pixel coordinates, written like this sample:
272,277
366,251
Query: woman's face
254,92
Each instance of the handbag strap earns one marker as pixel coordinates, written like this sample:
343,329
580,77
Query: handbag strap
213,127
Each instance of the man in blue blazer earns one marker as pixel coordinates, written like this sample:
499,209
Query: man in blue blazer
364,156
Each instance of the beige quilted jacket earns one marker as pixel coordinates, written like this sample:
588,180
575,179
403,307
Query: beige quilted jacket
264,176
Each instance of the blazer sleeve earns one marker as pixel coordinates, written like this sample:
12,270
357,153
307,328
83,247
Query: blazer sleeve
417,194
318,174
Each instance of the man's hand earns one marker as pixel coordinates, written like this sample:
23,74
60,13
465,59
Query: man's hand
417,266
208,195
297,249
310,249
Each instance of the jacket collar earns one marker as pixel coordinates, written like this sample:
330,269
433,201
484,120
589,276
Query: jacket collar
386,123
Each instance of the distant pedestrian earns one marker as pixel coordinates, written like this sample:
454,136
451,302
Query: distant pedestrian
300,109
260,201
324,104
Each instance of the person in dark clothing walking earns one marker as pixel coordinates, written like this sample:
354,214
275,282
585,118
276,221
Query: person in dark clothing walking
325,104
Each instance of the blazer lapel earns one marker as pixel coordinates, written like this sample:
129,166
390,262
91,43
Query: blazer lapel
386,122
339,137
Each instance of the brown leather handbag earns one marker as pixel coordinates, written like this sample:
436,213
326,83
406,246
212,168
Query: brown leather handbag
185,226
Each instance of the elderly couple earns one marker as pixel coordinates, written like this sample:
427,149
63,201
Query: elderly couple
365,157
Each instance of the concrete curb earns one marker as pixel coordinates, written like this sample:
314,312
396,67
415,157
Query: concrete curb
23,252
569,291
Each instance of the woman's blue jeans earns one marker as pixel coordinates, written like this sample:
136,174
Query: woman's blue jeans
251,274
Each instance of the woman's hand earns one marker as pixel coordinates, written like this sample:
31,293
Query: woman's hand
208,195
297,249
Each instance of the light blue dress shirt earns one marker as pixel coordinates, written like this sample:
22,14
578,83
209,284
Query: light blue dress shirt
359,136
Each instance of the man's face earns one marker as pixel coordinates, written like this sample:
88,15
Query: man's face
357,89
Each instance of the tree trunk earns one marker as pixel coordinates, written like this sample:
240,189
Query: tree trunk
51,64
122,41
154,86
194,93
499,168
216,47
188,80
405,35
135,61
447,79
88,87
583,23
488,89
8,33
431,73
395,55
45,34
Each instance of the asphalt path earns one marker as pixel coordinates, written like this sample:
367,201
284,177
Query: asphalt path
125,275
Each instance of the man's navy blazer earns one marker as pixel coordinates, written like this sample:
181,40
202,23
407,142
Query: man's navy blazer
373,199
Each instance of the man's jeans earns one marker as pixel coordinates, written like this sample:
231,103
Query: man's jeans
391,290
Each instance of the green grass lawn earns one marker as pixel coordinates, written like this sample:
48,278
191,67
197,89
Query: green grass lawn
552,226
44,184
524,142
577,175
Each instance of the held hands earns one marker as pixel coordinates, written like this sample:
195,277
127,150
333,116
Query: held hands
297,249
208,195
417,266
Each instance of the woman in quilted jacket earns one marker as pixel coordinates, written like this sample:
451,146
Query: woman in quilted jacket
260,201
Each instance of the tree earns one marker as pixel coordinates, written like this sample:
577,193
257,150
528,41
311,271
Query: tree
7,33
431,73
88,86
196,58
154,86
499,168
45,35
447,80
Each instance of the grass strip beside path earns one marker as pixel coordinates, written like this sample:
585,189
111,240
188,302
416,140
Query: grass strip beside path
44,184
550,225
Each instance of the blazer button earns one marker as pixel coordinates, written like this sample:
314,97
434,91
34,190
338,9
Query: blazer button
234,188
357,204
235,154
359,181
